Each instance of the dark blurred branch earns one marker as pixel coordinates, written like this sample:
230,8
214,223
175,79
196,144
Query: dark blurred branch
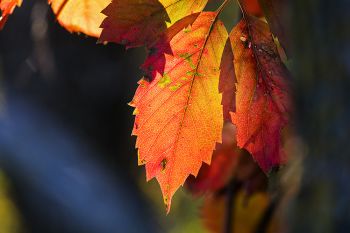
231,195
267,215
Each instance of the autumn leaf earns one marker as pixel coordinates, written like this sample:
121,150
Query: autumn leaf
227,83
213,177
274,10
247,213
262,97
141,22
249,174
178,111
252,7
7,7
80,15
228,163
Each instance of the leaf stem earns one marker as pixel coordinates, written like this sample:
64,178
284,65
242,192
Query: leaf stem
244,13
221,7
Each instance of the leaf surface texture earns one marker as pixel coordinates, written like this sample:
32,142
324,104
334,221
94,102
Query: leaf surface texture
141,22
80,15
262,95
178,111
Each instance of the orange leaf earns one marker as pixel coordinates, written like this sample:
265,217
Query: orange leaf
262,98
228,163
178,111
140,22
80,15
213,177
7,7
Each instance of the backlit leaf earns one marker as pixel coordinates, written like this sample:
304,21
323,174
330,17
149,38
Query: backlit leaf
252,7
178,107
140,22
274,10
262,98
80,15
217,175
227,82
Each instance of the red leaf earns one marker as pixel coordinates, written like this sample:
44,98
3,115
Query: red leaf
213,177
178,111
141,22
252,7
262,98
227,82
274,10
228,163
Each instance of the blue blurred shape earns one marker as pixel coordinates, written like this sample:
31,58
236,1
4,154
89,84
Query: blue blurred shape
65,186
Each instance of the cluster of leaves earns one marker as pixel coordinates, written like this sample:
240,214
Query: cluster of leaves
237,191
197,76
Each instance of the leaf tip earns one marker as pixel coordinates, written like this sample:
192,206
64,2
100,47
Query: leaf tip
167,203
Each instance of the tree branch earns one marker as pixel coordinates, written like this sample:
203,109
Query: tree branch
268,214
231,194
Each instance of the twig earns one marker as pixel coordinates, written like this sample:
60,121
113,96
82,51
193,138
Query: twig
231,194
268,214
